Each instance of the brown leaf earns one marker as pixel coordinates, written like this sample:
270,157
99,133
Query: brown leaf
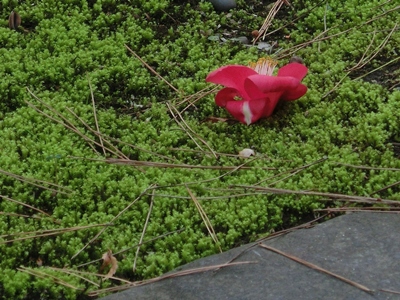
109,259
39,262
14,20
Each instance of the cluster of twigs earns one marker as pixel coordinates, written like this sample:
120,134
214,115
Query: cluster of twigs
366,58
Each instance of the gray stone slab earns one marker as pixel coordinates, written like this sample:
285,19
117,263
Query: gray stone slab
362,247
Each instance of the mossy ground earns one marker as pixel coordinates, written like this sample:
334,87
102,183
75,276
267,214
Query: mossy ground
64,45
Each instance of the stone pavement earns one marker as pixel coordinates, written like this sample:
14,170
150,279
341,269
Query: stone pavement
362,247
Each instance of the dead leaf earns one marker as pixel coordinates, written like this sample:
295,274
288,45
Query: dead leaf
14,20
39,262
109,259
246,153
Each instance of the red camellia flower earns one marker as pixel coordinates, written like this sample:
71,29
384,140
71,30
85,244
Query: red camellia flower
251,93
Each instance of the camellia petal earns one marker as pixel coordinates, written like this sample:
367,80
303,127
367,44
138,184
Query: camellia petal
295,70
247,112
272,101
225,95
250,94
232,76
294,94
270,84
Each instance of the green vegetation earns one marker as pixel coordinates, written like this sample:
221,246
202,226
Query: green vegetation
64,48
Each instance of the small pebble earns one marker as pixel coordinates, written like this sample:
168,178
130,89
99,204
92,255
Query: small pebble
246,153
223,5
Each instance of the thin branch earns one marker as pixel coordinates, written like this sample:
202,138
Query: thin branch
76,273
321,36
276,234
19,215
210,198
198,96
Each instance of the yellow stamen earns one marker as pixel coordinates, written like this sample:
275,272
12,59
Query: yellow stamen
264,66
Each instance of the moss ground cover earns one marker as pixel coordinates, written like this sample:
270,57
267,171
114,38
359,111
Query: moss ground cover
339,138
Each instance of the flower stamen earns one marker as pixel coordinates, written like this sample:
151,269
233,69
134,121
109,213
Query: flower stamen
264,66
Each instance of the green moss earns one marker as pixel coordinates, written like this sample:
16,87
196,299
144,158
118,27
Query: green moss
63,45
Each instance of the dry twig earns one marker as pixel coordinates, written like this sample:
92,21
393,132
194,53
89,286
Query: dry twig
189,131
113,220
95,117
152,70
43,233
137,245
166,276
48,276
29,206
205,218
144,230
268,20
39,183
168,165
337,197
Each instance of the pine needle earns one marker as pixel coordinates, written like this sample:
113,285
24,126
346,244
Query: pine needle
113,220
189,131
39,183
48,276
315,267
166,276
144,230
95,117
337,197
270,17
205,218
29,206
44,233
152,70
